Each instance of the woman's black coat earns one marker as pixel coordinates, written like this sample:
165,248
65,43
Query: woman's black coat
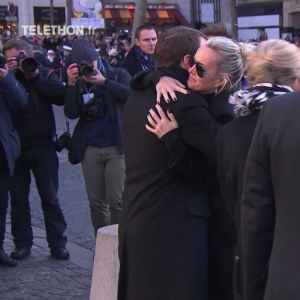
233,144
221,229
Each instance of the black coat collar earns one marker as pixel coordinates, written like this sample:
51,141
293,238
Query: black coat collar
177,73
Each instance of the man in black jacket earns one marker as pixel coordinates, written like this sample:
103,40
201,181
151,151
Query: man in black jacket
140,57
35,124
163,227
12,98
97,140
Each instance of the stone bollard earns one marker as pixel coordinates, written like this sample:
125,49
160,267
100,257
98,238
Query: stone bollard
106,265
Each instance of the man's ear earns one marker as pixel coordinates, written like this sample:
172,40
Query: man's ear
187,62
137,42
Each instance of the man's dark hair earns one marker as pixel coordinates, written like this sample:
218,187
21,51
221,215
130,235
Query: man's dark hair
141,28
216,29
174,44
18,44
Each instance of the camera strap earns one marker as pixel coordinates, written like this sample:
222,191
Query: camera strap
67,124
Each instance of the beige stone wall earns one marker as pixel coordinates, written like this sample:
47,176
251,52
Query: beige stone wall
289,7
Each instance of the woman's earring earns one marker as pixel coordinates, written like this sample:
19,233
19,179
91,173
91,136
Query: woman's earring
216,91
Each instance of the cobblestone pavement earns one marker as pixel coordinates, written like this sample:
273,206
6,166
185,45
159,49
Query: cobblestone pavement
40,276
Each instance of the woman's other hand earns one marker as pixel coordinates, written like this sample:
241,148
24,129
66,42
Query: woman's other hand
167,87
161,124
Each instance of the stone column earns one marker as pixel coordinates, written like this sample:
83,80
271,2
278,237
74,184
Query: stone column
106,265
26,17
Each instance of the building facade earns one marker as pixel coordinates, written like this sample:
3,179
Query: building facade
163,13
275,19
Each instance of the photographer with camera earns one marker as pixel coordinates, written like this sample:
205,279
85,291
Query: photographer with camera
35,124
97,93
10,146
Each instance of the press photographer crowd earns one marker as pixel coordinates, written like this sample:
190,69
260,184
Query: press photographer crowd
188,140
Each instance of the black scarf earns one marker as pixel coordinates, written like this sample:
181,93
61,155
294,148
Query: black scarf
251,99
145,59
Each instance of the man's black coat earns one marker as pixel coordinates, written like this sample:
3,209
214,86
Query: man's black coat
271,206
222,235
131,64
163,227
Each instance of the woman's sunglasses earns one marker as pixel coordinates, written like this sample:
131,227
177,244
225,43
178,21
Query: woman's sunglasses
199,68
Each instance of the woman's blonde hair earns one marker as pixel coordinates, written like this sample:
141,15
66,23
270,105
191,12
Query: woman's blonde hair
233,64
274,61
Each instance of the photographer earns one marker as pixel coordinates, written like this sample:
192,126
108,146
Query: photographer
97,95
10,146
35,124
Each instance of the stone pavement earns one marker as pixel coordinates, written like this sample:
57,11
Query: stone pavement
40,276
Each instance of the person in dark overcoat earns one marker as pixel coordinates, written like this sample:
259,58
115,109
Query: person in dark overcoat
163,226
234,140
270,202
12,98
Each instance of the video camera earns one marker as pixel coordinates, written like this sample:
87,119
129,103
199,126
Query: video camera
28,64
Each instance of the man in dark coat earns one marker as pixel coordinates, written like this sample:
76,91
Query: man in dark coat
140,57
163,227
97,141
35,124
12,98
271,206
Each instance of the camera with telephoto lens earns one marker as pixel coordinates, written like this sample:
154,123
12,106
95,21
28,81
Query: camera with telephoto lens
28,64
94,108
86,69
63,142
2,61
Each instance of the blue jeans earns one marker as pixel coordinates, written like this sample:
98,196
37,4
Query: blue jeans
44,165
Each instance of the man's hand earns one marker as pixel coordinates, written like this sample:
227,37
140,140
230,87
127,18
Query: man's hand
3,72
73,73
97,79
12,64
30,75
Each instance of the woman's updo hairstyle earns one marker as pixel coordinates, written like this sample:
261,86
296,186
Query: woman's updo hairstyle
273,61
233,64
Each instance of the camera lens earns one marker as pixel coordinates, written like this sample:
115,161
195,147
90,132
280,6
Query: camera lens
87,71
29,65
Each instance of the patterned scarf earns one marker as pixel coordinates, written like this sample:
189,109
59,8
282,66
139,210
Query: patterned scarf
251,99
145,59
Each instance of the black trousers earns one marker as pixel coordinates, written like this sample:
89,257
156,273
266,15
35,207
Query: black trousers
44,165
4,181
